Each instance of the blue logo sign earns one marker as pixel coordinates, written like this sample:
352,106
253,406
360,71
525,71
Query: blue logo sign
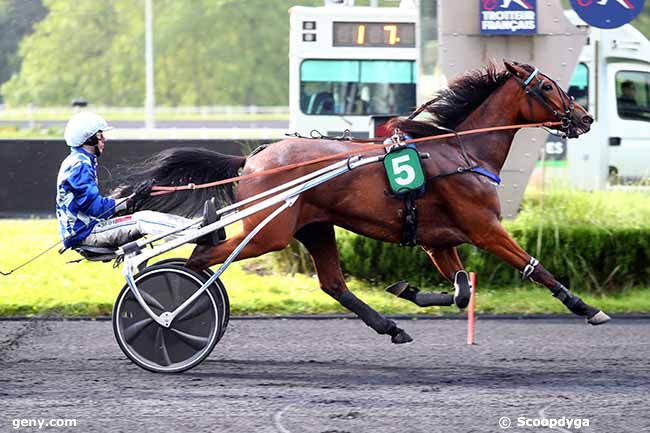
508,17
607,14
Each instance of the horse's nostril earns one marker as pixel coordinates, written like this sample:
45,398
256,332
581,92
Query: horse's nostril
587,119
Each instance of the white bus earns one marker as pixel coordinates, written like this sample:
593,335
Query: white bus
350,63
612,80
617,82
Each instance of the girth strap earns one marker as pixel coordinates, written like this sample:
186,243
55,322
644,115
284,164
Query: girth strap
483,172
410,224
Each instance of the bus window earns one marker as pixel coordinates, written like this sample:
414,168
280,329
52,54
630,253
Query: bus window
357,87
579,85
633,95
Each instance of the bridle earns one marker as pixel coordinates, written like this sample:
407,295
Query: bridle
536,91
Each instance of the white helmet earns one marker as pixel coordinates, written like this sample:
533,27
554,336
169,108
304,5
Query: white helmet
82,126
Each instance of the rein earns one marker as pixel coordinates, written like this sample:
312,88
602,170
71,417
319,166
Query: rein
161,190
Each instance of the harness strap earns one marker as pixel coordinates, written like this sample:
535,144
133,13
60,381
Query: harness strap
460,144
483,172
420,109
159,190
530,77
409,228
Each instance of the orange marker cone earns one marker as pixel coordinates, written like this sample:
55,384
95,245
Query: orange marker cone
470,310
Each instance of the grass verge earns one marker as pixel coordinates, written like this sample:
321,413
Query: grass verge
89,289
11,132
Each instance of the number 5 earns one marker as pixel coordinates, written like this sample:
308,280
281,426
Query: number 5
405,169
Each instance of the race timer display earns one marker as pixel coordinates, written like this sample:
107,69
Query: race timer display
368,34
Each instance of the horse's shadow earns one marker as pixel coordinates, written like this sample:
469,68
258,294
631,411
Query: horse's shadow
339,372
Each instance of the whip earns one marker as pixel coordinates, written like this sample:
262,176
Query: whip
61,241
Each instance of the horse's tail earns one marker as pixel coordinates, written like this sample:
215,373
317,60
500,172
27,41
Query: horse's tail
181,166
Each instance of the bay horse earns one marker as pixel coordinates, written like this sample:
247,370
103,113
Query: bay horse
456,209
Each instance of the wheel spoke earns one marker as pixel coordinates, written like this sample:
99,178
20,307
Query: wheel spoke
151,301
198,307
134,329
196,341
172,293
162,345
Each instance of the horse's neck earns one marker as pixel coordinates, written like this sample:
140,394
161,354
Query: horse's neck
499,109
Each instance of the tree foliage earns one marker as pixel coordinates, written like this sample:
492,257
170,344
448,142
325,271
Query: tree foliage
642,22
206,52
82,48
16,20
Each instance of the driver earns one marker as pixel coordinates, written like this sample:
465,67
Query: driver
82,211
627,104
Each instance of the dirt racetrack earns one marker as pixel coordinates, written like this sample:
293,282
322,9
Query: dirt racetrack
336,376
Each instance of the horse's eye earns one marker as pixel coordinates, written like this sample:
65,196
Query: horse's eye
547,87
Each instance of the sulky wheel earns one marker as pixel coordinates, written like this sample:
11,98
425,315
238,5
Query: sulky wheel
217,287
191,336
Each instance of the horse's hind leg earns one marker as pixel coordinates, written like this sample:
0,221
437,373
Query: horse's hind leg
274,237
446,260
319,239
495,239
448,263
450,266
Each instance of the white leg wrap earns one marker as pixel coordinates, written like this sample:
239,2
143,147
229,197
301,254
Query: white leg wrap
529,268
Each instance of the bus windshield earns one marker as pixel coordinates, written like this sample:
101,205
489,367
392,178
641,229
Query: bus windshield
579,85
633,95
357,87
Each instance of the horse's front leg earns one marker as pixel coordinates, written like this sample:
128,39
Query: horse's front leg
450,266
319,239
494,238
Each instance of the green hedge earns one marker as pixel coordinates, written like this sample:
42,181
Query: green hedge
585,257
590,241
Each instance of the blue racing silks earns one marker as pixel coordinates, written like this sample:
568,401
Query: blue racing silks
78,201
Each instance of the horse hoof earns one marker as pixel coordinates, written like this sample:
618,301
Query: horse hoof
401,337
598,319
463,291
398,288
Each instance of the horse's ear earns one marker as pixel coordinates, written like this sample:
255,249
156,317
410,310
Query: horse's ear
513,67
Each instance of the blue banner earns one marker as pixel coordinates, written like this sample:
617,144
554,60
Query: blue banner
607,14
508,17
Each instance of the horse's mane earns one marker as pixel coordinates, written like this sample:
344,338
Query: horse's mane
453,104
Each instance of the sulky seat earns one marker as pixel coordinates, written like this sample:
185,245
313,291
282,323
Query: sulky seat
96,254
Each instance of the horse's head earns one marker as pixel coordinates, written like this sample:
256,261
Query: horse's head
550,102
